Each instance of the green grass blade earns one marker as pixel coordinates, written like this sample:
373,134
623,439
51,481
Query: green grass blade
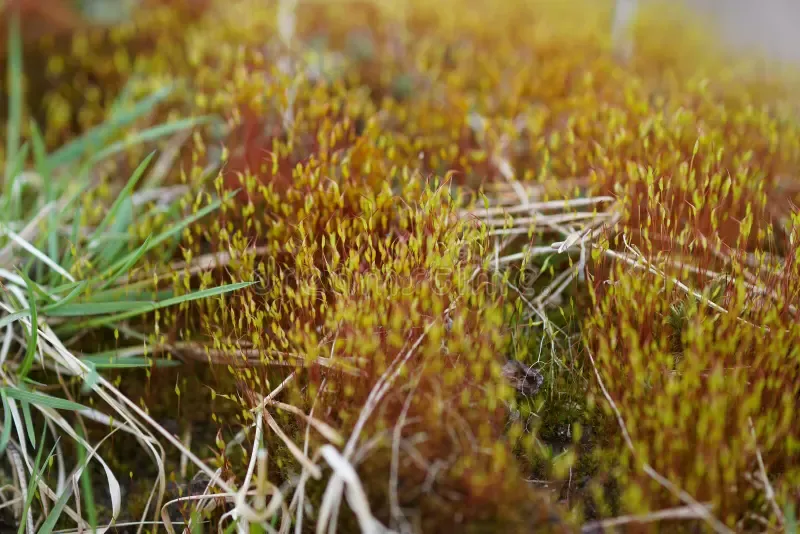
141,291
205,293
13,201
129,261
113,362
197,295
69,255
178,228
232,527
90,380
77,290
196,522
118,236
40,399
97,136
33,337
8,423
14,84
122,98
42,292
116,232
791,519
12,317
38,254
87,309
43,168
86,485
122,197
33,483
151,134
31,382
29,427
68,286
55,513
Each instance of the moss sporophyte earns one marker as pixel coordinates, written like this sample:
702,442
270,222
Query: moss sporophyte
415,266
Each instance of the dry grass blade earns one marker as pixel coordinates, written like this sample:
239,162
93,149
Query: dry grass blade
27,234
25,244
538,207
19,470
638,262
398,518
673,514
333,492
274,393
298,499
327,431
356,497
293,448
206,504
238,512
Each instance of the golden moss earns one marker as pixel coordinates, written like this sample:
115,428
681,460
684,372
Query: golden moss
353,135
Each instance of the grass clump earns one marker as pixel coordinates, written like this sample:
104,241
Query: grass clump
69,249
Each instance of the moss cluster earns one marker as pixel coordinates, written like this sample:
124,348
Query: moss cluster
353,134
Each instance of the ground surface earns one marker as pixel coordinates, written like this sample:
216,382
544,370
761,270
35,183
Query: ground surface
410,266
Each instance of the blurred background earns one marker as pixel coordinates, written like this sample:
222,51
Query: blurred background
769,26
772,26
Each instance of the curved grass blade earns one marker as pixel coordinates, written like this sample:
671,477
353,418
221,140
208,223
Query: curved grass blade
87,489
121,198
178,228
77,290
12,317
95,137
55,513
130,260
151,134
38,254
153,306
41,399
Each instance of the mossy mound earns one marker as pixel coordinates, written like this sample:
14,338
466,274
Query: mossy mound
367,153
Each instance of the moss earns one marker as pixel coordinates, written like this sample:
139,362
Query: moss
352,149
